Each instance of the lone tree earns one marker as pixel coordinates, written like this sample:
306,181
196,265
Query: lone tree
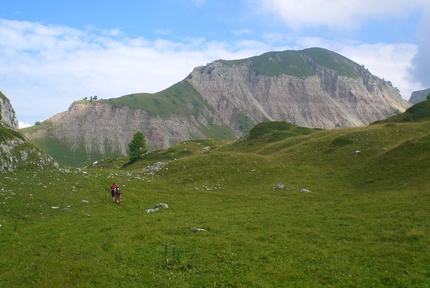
137,146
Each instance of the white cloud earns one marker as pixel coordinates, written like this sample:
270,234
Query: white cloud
199,2
276,38
385,60
408,71
241,32
163,31
44,68
339,14
421,61
23,125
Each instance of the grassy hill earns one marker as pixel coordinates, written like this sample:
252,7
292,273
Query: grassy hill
286,207
172,100
417,113
291,62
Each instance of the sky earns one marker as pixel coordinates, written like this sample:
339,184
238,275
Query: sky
55,52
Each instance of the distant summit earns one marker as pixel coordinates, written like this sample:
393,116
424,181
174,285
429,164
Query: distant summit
419,96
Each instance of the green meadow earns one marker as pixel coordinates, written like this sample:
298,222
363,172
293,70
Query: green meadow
286,207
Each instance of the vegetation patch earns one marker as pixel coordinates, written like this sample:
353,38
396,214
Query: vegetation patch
271,130
245,124
173,100
341,141
333,61
277,63
2,96
418,112
6,134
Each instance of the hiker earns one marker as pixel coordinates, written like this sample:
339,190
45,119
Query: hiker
112,191
117,194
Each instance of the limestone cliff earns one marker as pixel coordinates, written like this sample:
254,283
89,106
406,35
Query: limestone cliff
7,114
106,129
16,152
323,98
225,99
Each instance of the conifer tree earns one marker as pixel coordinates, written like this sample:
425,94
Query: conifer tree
137,147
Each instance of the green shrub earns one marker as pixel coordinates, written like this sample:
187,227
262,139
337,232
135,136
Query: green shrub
341,141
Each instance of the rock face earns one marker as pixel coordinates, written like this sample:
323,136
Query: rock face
326,99
311,88
108,130
419,96
16,152
7,114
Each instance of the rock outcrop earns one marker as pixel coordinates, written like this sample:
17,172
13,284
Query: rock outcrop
108,130
7,114
225,99
16,152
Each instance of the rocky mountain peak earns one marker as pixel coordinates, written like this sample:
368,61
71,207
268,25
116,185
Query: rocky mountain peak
311,88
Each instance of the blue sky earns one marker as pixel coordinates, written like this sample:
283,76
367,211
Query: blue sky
55,52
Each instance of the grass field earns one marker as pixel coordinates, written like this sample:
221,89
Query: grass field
341,218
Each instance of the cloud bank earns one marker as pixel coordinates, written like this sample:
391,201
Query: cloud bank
338,14
44,68
420,70
350,15
55,65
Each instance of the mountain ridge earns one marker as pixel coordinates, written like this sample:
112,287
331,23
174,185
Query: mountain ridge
314,88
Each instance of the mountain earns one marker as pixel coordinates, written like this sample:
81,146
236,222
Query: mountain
314,88
419,96
16,151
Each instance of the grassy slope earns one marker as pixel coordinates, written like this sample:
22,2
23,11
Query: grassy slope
416,113
277,63
2,96
332,61
26,150
290,62
173,100
61,150
365,224
8,134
